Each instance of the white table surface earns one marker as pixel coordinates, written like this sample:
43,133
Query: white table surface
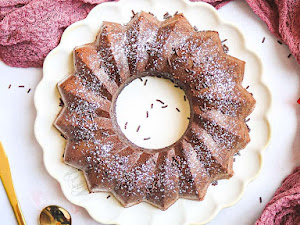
36,188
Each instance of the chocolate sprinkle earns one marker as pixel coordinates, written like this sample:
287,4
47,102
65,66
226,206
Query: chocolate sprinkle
248,128
247,87
167,15
225,48
164,106
247,120
160,101
138,128
108,197
237,154
202,108
63,136
146,138
147,114
145,82
177,109
29,90
176,13
214,183
133,13
125,127
9,86
279,42
184,97
21,86
176,86
224,40
61,103
289,55
188,118
141,79
263,40
152,106
260,200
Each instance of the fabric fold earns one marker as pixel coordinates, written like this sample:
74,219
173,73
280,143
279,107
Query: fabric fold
284,207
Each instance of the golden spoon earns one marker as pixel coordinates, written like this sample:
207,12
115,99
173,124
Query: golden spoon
6,178
55,215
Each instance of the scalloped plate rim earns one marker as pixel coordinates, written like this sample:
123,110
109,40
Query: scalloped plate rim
189,4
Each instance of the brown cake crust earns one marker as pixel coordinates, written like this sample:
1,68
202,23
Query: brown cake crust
196,61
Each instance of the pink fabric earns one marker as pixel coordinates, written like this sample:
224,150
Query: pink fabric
284,207
283,19
30,29
215,3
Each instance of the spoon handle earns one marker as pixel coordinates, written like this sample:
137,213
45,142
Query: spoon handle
6,178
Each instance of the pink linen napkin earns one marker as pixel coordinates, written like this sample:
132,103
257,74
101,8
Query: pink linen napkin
30,29
284,207
28,32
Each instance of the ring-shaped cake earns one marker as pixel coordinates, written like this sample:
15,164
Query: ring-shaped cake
194,60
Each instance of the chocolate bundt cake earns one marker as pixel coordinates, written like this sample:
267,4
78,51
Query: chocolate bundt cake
196,61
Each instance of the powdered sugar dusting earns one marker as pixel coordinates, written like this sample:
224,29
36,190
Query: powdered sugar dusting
212,82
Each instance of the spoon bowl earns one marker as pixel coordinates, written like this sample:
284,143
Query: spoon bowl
55,215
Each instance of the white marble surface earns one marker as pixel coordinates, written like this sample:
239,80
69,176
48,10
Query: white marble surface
37,189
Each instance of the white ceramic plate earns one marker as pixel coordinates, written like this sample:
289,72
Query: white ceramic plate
58,65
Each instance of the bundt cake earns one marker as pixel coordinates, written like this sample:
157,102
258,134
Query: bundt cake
196,61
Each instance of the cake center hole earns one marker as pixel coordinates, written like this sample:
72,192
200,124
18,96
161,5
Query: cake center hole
152,112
